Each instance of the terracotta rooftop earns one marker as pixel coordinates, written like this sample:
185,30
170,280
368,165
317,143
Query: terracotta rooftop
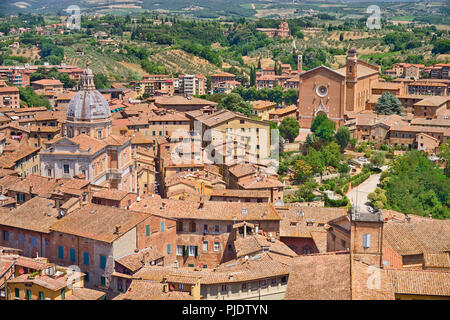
99,222
259,182
37,214
254,244
48,82
235,193
135,261
110,194
151,290
48,282
262,104
261,266
180,101
333,276
9,89
301,221
210,210
420,282
85,294
285,110
242,169
9,160
434,101
38,185
428,236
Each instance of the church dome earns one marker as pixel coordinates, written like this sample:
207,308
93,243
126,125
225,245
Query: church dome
88,103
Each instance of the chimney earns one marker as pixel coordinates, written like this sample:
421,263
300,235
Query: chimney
31,190
117,231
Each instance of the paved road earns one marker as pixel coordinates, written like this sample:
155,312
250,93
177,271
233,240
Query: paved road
358,195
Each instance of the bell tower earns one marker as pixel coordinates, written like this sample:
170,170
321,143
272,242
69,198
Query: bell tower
351,79
366,237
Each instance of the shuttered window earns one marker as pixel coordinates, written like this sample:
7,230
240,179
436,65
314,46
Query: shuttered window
86,258
102,262
72,254
366,240
60,252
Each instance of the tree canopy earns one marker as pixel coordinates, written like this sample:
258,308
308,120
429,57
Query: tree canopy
289,128
32,99
343,137
323,127
388,104
377,159
235,103
415,185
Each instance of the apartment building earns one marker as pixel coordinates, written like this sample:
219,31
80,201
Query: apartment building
190,85
9,97
206,230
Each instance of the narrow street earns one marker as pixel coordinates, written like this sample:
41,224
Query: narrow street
358,195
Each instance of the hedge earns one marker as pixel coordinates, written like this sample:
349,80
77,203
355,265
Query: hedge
360,179
336,203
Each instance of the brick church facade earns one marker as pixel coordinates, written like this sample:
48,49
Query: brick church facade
335,92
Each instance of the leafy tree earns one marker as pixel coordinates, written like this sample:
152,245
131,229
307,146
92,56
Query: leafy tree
444,154
331,154
306,191
289,128
252,76
415,185
343,137
101,81
378,159
32,99
303,170
441,47
316,161
341,37
290,96
388,104
276,94
323,127
378,198
235,103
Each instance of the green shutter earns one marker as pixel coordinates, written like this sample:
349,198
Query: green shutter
147,230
